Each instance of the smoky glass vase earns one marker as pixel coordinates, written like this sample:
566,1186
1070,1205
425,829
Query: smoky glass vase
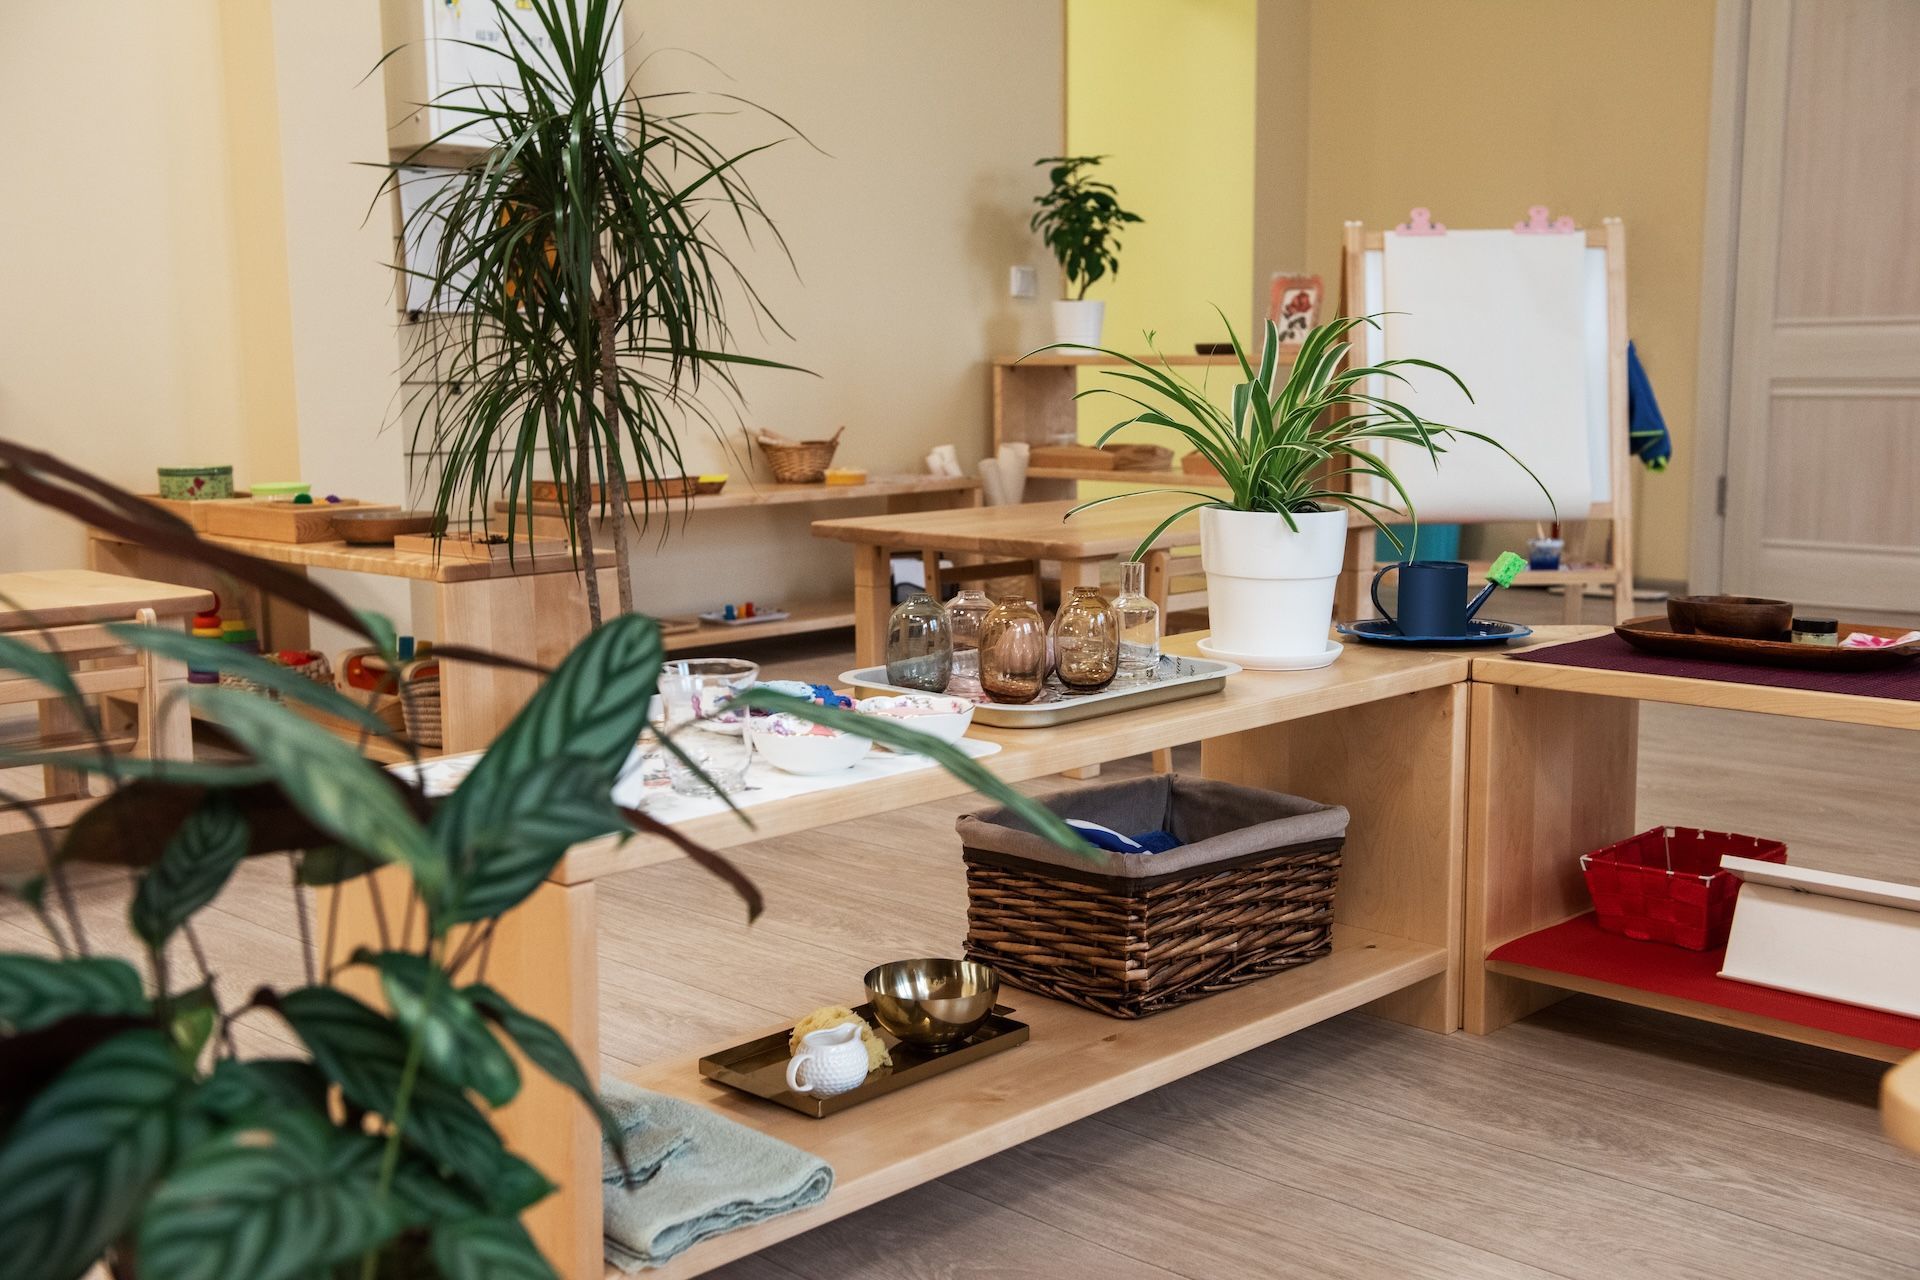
1086,641
919,645
1013,651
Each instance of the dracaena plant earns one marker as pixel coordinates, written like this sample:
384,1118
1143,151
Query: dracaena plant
1291,439
133,1132
579,299
1079,219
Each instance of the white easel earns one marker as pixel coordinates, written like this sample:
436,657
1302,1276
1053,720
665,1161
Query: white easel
1599,548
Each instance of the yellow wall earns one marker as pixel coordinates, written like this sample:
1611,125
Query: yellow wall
1480,108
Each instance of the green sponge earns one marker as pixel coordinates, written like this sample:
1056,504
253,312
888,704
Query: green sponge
1505,569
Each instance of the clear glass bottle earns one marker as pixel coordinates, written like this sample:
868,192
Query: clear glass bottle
1086,641
1013,651
967,616
1139,625
919,645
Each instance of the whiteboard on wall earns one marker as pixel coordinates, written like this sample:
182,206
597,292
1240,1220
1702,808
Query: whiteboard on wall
466,47
1523,320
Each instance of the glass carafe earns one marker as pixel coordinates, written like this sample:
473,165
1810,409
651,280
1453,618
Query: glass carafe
1139,625
919,645
967,616
1086,641
1013,651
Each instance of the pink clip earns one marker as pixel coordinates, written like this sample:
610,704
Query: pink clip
1420,223
1537,224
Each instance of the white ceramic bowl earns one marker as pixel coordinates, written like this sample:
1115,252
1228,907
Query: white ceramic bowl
934,714
800,746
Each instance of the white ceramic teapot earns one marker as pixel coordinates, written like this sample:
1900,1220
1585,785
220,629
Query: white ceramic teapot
830,1061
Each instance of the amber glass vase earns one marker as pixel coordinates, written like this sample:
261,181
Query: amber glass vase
1086,641
1013,651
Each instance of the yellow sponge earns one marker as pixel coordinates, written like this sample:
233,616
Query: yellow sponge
832,1016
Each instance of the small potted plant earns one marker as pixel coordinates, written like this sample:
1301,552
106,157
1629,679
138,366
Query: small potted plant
1272,546
1080,220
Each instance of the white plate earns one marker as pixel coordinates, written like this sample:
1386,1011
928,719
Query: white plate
1260,662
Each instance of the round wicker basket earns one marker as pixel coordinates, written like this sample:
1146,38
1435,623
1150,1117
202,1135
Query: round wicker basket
798,461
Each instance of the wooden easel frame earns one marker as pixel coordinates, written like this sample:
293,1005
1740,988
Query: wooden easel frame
1610,524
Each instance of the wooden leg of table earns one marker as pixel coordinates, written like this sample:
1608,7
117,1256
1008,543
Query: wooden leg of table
1573,603
1553,777
61,721
1351,600
872,602
1400,768
930,567
167,719
536,617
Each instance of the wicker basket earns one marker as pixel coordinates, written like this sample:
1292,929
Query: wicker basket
422,702
316,669
1248,893
798,461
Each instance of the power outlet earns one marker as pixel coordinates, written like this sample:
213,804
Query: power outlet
1023,282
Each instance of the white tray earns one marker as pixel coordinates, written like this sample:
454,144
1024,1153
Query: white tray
1177,678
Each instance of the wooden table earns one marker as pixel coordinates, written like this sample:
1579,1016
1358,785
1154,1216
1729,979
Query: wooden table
1554,776
1321,733
533,607
1036,531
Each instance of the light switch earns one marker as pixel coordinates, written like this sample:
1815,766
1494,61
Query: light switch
1023,282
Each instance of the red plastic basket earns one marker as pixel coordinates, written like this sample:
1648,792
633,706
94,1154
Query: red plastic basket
1666,885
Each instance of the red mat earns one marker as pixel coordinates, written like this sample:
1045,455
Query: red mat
1581,948
1611,653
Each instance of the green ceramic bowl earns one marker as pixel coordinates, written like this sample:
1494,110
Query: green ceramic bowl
191,484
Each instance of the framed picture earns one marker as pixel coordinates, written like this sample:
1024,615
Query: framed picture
1293,303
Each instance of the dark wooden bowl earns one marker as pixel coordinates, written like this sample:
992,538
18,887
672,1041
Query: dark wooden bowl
372,528
1743,617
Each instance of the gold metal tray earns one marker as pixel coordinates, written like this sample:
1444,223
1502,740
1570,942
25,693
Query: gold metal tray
759,1067
1177,677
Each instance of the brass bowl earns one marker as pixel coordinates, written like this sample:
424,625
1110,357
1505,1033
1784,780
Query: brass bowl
932,1004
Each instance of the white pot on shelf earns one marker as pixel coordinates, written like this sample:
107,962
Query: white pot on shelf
1079,323
1270,588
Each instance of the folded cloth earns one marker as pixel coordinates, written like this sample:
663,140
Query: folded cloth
1107,838
693,1175
1646,426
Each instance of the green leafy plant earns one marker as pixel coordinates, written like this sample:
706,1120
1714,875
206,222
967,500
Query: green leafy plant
1289,441
1079,220
133,1132
579,295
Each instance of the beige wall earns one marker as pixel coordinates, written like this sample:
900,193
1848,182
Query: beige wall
1480,108
1280,136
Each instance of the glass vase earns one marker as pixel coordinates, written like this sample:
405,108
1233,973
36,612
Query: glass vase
1086,641
1013,651
919,645
1139,625
967,615
713,740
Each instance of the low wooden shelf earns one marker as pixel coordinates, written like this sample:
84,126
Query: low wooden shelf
804,618
957,490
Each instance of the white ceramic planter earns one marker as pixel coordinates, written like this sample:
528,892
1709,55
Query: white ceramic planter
1079,323
1269,588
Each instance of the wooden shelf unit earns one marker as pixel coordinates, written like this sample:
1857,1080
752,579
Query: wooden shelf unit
807,617
951,490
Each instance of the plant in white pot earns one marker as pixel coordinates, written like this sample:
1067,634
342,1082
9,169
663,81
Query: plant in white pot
1079,219
1273,544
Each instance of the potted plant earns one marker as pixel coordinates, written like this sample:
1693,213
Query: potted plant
579,292
1273,546
1079,219
131,1130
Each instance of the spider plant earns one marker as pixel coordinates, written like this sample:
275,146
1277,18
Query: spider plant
1290,443
579,294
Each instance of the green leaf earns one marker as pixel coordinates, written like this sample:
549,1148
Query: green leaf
457,1042
78,1164
192,870
37,991
260,1086
191,1017
548,1050
519,831
334,864
272,1200
339,792
488,1249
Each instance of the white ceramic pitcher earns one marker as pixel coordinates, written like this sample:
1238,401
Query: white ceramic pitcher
830,1061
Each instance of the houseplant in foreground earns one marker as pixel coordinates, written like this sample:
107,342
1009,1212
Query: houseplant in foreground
1080,220
134,1132
1273,546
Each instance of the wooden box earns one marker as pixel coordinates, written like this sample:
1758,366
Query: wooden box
1081,456
194,513
279,521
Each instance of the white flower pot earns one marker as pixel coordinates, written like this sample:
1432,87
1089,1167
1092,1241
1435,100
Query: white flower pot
1270,588
1079,323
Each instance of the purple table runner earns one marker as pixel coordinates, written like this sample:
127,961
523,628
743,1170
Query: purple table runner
1611,653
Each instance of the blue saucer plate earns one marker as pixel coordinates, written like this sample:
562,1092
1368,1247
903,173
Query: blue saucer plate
1380,631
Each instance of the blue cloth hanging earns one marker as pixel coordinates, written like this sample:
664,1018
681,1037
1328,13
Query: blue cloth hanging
1646,426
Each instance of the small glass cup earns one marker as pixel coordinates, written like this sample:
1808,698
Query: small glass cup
1086,641
919,645
1013,651
967,615
695,693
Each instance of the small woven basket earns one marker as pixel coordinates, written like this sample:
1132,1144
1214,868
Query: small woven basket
1666,885
1248,893
422,703
318,670
798,461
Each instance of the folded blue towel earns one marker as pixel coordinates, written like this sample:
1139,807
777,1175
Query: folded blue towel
1107,838
693,1175
1646,425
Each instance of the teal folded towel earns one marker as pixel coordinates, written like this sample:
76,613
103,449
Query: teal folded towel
693,1175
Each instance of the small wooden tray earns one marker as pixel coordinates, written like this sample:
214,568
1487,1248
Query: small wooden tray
477,548
637,490
759,1067
1655,634
281,521
1139,457
1085,457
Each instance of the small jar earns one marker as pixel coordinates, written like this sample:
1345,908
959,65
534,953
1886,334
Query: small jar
1139,625
919,645
1824,631
1013,651
1086,641
967,615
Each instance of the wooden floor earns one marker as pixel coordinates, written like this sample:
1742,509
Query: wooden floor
1590,1140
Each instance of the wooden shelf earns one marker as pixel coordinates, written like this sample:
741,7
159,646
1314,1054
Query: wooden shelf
807,617
1078,1062
779,495
1578,955
1156,479
1060,359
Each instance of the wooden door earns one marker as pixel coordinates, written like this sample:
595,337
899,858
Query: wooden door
1823,476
